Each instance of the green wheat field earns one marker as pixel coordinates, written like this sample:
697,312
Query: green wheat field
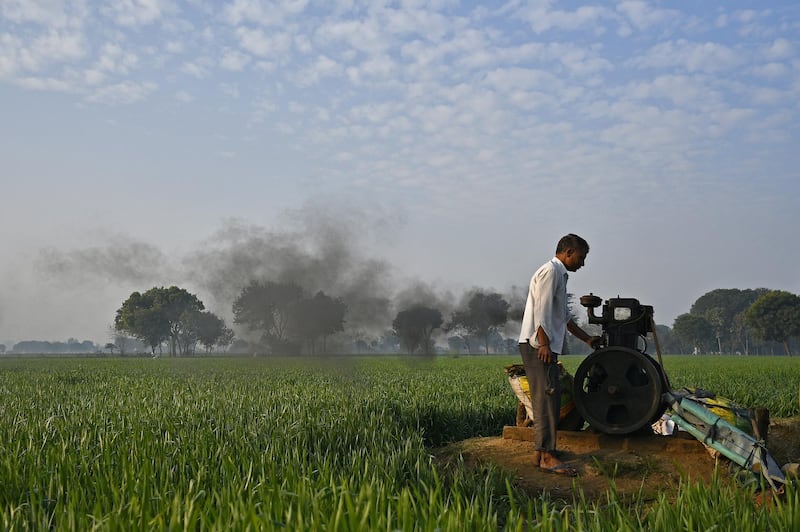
339,444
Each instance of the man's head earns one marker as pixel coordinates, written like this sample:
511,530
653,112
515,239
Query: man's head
572,251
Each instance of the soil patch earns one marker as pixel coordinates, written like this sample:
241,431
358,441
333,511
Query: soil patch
640,467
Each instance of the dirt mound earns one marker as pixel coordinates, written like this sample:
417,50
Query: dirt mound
640,466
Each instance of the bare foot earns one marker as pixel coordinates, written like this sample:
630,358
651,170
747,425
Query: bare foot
548,462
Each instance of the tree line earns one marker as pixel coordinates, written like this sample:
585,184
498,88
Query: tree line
286,319
751,321
282,318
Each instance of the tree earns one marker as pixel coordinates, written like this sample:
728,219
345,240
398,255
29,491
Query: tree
666,339
157,316
210,330
694,331
415,326
720,308
140,319
775,316
179,307
269,308
483,316
226,339
740,331
317,318
111,346
187,334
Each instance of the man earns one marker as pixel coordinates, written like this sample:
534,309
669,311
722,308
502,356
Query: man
543,337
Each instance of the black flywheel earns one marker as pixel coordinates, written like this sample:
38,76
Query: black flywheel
618,390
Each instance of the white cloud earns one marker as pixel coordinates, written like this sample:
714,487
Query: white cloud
745,15
9,55
681,91
753,23
261,108
365,36
230,90
266,66
43,50
727,119
49,13
303,44
643,15
262,44
184,97
197,68
174,47
126,92
266,13
59,46
322,67
45,84
234,60
135,12
694,57
418,21
375,68
770,96
93,76
780,49
506,79
771,70
531,101
542,17
375,113
113,59
580,61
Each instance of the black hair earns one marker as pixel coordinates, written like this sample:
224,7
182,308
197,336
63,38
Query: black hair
572,241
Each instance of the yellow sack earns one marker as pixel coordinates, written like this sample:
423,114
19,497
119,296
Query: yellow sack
521,388
741,418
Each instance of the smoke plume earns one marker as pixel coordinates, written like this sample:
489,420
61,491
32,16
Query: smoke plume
319,251
319,247
123,260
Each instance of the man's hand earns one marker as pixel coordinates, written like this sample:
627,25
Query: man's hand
544,354
594,341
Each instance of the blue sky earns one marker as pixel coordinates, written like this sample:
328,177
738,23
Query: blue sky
454,142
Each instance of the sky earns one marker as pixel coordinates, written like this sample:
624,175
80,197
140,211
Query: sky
391,149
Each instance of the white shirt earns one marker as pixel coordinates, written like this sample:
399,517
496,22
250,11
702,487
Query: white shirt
546,306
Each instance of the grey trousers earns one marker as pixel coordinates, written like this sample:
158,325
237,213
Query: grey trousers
546,407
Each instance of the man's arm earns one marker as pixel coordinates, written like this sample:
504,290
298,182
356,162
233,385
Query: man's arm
543,352
583,336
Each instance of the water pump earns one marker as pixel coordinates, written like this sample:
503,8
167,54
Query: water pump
618,388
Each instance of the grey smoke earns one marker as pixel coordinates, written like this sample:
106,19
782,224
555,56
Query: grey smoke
318,247
422,293
516,297
123,260
319,251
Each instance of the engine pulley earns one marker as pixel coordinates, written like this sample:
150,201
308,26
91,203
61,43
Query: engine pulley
618,390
